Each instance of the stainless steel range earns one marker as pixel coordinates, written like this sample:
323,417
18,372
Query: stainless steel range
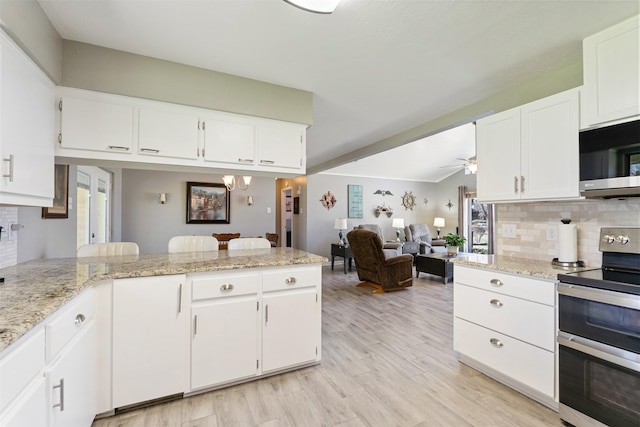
599,337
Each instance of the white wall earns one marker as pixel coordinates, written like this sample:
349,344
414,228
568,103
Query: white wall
151,225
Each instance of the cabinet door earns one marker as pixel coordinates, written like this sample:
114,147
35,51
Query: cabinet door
498,153
612,73
149,338
280,146
30,410
27,129
71,382
168,133
549,144
291,328
224,343
96,125
229,142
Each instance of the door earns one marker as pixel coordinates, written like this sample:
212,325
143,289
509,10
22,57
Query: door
93,205
291,328
149,338
286,217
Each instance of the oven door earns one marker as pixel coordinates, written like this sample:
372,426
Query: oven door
600,315
598,381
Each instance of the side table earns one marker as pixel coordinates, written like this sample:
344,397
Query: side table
438,264
343,252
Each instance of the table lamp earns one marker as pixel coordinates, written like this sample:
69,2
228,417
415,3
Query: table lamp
398,223
340,224
438,223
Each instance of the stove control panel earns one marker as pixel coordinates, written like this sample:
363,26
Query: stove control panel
620,239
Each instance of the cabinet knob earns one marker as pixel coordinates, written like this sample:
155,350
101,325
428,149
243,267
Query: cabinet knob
290,281
496,303
226,287
496,343
79,319
496,282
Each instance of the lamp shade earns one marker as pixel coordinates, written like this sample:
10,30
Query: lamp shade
438,222
398,223
340,224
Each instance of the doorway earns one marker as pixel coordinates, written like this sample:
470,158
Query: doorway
93,206
286,217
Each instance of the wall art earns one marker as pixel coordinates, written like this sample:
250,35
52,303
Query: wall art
207,203
354,193
328,200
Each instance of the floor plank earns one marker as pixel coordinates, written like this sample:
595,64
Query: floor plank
388,360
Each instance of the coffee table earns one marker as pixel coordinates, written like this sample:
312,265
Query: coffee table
438,264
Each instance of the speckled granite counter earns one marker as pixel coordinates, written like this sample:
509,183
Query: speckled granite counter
522,266
34,290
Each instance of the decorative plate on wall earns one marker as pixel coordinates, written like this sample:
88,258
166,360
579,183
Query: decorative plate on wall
408,200
328,200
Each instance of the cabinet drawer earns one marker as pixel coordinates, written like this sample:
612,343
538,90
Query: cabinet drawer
19,366
506,314
527,288
523,362
291,278
223,285
69,322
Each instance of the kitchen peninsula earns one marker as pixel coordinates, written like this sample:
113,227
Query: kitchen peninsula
151,326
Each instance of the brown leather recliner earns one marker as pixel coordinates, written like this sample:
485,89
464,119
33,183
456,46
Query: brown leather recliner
383,274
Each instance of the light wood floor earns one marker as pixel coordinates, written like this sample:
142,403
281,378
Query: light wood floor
387,361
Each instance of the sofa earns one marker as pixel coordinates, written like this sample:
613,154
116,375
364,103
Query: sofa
421,234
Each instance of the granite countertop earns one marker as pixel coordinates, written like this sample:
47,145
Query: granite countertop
35,289
523,266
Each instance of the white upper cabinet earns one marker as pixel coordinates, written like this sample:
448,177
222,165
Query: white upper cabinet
530,152
27,129
94,125
168,133
280,146
611,61
230,141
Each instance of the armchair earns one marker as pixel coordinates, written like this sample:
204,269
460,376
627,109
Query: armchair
420,233
374,268
391,249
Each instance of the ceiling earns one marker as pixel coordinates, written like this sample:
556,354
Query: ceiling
376,68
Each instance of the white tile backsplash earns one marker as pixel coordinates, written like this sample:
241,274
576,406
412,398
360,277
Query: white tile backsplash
533,219
8,248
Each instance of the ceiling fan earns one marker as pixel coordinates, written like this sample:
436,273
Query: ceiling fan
470,165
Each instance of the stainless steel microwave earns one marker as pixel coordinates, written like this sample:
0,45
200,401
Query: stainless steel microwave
610,161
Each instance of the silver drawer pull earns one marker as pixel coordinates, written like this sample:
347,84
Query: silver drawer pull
61,387
496,282
290,280
80,318
496,303
496,343
149,150
226,287
245,160
10,174
117,147
267,162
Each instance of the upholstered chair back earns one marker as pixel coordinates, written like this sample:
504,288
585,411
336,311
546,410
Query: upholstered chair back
108,249
192,244
248,243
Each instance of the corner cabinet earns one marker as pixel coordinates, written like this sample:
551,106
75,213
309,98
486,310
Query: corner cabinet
493,317
530,152
611,60
27,129
105,127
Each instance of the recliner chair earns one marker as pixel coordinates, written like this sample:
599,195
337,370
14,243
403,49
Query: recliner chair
420,233
390,248
374,268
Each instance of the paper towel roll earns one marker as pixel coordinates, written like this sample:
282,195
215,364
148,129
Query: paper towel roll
568,243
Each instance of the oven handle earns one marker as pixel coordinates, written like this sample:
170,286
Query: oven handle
600,295
614,355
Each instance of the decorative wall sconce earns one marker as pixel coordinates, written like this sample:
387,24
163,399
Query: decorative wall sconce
250,200
449,205
230,182
162,198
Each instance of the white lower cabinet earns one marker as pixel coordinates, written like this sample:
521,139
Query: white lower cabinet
150,317
30,409
71,382
505,326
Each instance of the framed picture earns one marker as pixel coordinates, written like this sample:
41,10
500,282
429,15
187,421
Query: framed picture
60,208
288,203
207,203
354,201
296,205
